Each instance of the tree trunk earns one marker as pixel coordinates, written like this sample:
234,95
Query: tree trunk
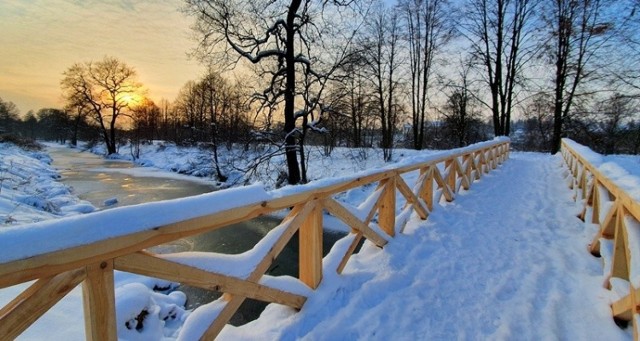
289,98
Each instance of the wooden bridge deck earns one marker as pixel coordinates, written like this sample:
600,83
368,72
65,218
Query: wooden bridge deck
507,260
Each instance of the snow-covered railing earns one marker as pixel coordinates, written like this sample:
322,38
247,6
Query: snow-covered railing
617,215
87,249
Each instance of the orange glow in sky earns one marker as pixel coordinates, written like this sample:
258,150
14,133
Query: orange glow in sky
40,39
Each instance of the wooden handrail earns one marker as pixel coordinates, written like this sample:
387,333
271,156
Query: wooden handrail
617,215
441,177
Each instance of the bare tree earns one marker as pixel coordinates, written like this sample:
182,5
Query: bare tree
500,32
623,61
352,97
460,111
614,115
107,88
278,37
428,28
578,32
78,110
382,55
538,125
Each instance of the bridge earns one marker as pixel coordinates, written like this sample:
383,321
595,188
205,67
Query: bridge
472,272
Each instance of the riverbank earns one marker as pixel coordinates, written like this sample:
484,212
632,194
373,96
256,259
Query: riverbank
30,190
114,183
242,166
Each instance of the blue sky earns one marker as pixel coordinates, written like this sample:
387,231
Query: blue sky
41,39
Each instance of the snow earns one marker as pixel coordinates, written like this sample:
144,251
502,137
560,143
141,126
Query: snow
29,191
239,266
197,163
623,170
72,231
505,260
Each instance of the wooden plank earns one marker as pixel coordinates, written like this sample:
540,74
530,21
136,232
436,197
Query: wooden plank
608,226
348,218
467,170
310,241
32,303
478,164
607,229
376,206
450,174
387,210
494,162
99,302
583,183
620,263
443,158
234,301
426,187
623,308
595,214
412,199
147,264
462,174
349,252
446,191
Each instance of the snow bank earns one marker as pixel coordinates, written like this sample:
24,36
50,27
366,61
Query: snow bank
29,190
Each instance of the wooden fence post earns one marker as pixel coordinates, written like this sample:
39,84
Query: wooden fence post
310,242
99,302
387,211
426,189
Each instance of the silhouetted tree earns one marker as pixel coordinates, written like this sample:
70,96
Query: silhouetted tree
498,31
428,27
106,89
578,31
279,37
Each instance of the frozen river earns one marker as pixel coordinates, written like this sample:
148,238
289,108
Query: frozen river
120,183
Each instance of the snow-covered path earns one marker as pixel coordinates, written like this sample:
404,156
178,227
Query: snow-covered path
506,260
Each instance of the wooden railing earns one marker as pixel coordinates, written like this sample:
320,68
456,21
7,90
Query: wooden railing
617,240
440,177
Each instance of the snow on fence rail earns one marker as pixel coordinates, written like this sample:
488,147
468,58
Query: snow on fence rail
65,260
617,215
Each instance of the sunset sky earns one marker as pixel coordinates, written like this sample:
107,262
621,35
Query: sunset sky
40,39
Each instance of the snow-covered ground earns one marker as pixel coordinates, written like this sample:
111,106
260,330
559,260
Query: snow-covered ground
238,164
29,190
506,260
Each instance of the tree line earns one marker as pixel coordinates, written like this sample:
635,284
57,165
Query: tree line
413,74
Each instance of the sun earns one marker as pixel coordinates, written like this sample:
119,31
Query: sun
130,99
